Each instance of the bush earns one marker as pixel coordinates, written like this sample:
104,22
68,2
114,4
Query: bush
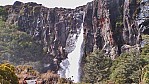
7,74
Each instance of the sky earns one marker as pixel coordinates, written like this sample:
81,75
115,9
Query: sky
50,3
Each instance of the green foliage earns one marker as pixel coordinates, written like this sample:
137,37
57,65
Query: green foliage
145,74
129,68
145,50
96,68
126,69
119,24
119,21
16,46
3,13
145,58
7,74
145,38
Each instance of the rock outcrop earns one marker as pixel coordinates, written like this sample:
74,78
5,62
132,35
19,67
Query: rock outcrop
111,25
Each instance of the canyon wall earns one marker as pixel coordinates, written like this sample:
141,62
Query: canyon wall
109,25
112,26
51,27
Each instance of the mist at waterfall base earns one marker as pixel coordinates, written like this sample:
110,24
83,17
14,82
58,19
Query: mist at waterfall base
70,67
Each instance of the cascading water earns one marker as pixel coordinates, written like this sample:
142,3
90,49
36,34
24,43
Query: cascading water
70,67
74,60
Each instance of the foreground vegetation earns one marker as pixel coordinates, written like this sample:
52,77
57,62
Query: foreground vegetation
126,69
7,74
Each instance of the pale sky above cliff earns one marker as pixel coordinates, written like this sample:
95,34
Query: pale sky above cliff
50,3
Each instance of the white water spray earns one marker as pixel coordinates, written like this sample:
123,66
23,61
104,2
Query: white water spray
74,59
71,65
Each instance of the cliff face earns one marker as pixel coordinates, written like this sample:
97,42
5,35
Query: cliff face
112,26
49,26
109,25
53,28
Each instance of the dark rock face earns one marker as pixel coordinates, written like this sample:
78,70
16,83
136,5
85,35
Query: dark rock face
52,27
109,25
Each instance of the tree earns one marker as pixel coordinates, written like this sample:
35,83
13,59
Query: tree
127,68
96,68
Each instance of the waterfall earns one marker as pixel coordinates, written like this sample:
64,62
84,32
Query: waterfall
70,67
74,59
